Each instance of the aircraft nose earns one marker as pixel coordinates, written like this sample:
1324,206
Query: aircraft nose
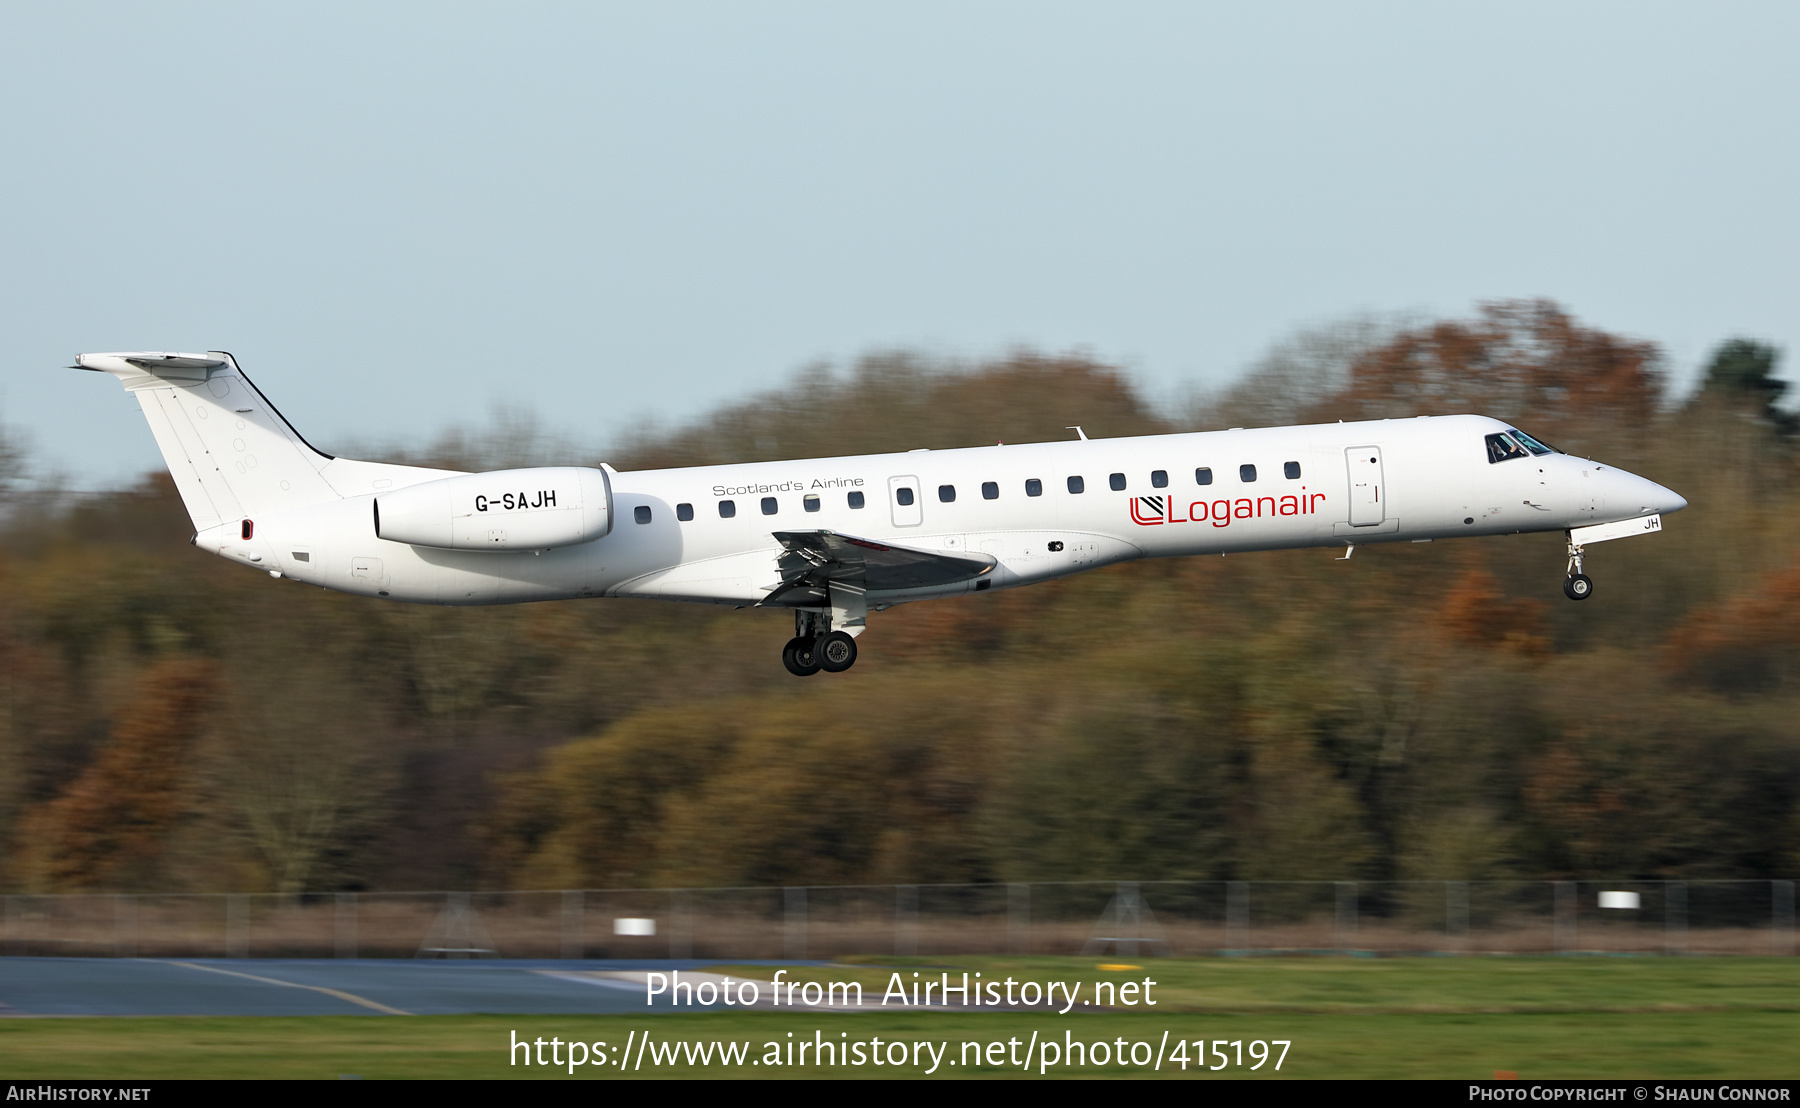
1646,497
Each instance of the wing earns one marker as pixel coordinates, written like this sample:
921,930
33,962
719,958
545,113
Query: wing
811,560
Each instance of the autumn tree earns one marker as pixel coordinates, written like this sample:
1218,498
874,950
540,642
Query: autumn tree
301,767
1525,361
109,827
898,401
1297,379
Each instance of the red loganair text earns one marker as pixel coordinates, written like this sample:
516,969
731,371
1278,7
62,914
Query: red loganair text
1152,511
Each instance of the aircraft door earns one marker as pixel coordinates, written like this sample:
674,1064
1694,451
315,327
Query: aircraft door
903,497
369,571
1368,498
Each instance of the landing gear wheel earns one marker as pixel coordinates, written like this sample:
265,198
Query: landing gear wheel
800,657
836,652
1578,586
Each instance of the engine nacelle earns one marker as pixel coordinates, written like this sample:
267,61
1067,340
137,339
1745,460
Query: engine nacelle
508,509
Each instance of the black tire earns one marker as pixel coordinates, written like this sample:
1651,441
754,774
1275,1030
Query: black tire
836,652
800,657
1578,587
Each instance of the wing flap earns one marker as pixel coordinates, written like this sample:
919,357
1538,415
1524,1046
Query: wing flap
812,560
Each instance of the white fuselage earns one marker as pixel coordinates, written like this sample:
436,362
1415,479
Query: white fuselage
1382,481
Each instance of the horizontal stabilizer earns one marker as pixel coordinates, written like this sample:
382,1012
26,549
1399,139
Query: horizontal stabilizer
153,362
185,369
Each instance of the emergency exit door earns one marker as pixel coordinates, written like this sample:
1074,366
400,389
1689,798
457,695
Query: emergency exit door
903,496
1368,493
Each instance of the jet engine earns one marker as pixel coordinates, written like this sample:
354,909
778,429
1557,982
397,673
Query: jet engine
509,509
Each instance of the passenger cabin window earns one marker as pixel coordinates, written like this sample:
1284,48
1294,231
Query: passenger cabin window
1117,481
769,506
1246,474
641,513
1076,484
727,509
1203,476
684,512
1159,478
947,493
1291,470
990,490
1034,487
856,500
1502,448
903,496
810,502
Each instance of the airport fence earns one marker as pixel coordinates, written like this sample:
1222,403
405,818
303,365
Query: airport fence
1125,918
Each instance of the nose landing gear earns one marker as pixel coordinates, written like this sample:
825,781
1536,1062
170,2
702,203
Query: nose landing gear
1577,585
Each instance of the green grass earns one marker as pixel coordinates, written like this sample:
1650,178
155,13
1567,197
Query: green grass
1385,985
1455,1018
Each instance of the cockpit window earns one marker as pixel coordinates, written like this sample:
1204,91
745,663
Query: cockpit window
1502,448
1530,443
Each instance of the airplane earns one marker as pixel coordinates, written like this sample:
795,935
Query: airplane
833,539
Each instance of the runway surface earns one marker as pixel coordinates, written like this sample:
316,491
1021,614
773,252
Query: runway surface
324,987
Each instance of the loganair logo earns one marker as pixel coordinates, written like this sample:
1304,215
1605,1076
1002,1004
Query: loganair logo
1154,511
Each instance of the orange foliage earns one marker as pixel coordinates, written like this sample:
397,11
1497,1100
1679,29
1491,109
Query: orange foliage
963,626
1741,629
1476,612
1519,358
112,820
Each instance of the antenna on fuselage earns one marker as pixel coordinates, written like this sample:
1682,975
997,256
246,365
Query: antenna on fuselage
1077,429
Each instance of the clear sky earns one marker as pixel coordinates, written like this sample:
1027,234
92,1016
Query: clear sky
399,214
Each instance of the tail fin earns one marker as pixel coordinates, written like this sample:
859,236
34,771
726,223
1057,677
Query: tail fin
231,453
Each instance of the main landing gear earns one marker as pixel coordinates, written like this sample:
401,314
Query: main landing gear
1577,585
800,656
810,651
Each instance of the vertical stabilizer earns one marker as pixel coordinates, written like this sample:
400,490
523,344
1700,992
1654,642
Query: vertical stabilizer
231,453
